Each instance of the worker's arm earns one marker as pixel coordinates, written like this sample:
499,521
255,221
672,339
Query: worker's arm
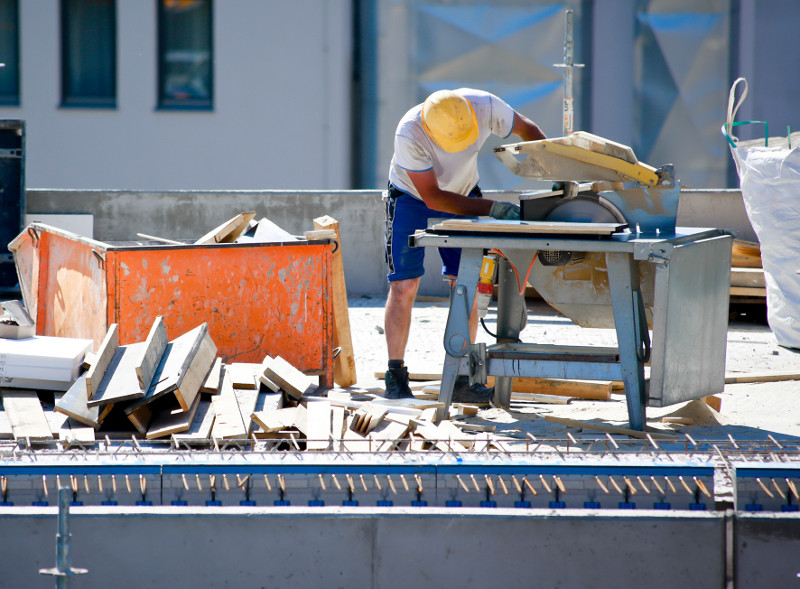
443,200
526,129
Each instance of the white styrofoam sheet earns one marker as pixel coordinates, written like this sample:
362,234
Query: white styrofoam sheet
42,351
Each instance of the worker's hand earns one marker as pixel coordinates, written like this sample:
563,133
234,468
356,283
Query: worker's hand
507,211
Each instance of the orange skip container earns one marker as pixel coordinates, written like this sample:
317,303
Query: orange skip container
258,298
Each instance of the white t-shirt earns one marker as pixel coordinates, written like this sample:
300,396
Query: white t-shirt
456,172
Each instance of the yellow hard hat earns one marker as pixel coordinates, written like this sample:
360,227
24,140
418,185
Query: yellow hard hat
449,120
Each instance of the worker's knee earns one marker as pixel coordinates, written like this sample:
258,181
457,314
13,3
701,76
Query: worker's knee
404,289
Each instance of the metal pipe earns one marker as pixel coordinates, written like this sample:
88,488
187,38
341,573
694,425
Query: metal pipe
63,569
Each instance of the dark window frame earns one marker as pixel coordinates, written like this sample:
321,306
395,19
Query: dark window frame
77,101
13,98
165,102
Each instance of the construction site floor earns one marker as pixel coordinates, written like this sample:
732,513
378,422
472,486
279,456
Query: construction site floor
749,411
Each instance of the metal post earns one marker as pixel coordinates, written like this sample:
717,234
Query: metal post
568,124
63,569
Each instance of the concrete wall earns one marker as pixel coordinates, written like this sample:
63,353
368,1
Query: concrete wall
367,548
119,215
282,75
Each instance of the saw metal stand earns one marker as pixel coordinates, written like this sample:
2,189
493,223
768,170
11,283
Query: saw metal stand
689,317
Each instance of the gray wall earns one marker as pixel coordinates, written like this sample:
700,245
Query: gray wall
367,548
120,215
402,547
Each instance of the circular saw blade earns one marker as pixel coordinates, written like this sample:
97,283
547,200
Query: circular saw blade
586,209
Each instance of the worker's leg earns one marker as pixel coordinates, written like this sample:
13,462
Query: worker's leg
404,215
397,315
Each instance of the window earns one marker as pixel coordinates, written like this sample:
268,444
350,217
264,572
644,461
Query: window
185,54
9,52
88,53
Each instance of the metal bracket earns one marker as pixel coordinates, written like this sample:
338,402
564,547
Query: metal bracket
478,367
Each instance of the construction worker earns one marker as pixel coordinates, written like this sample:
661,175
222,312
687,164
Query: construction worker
434,174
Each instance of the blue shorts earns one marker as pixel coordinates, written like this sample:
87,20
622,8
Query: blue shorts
406,214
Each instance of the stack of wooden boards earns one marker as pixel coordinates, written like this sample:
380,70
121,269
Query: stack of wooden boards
747,274
180,389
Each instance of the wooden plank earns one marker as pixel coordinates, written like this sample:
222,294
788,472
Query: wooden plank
189,386
174,368
228,231
176,421
26,415
344,364
527,227
274,420
244,375
748,277
200,428
101,360
73,404
745,254
583,389
67,429
140,416
318,429
742,378
290,379
154,347
264,380
606,428
388,433
247,400
228,420
120,382
212,381
748,291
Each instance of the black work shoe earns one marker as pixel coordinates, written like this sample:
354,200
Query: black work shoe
396,380
463,392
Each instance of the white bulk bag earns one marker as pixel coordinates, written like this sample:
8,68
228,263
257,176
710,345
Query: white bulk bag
769,173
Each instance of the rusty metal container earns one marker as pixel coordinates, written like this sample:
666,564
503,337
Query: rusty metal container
258,298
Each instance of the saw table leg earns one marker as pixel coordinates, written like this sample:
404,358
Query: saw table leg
456,333
512,314
623,280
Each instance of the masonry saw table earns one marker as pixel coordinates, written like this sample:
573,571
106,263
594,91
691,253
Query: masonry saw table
606,254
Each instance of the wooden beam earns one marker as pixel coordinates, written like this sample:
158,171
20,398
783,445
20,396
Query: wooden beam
606,428
228,231
244,375
211,383
184,365
26,415
228,419
73,403
247,400
200,428
154,347
318,420
172,422
290,379
274,420
101,360
344,365
581,389
736,378
120,382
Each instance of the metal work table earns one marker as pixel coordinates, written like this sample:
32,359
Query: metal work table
688,315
